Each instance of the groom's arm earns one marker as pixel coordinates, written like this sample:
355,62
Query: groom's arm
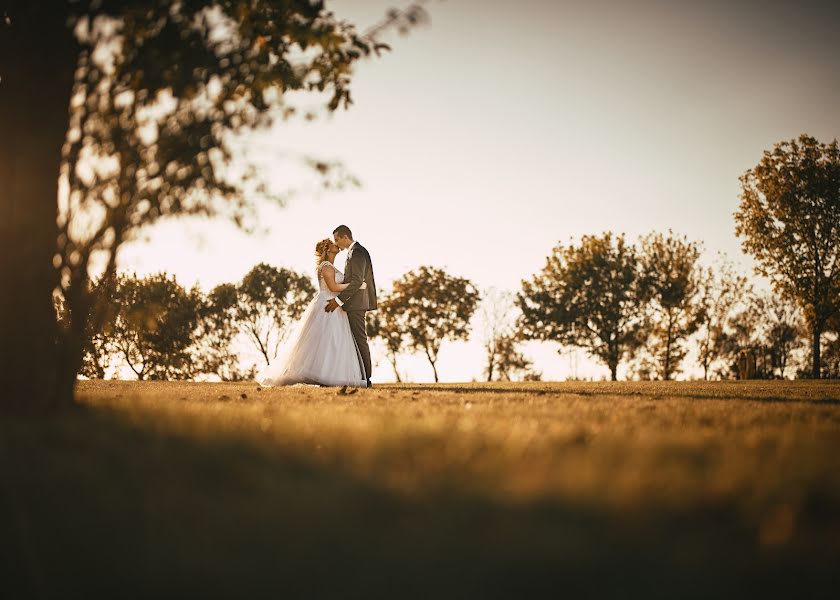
358,263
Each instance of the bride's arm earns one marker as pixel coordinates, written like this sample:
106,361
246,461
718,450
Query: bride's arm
328,272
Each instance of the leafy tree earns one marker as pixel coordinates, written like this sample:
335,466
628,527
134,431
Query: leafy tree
154,90
501,338
155,326
268,301
96,351
721,291
217,331
789,217
671,285
744,331
433,306
782,331
767,326
389,325
587,296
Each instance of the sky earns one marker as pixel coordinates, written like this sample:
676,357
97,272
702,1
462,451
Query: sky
501,128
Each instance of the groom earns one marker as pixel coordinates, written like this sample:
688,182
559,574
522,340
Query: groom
355,301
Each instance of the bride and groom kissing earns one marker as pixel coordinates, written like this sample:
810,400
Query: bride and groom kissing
328,345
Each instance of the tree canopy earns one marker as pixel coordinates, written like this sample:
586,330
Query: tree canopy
789,219
428,306
588,296
670,287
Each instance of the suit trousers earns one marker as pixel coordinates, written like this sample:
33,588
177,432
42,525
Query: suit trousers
359,329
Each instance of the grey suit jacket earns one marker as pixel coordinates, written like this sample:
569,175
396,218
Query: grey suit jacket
357,270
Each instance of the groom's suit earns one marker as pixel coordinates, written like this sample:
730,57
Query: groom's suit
356,302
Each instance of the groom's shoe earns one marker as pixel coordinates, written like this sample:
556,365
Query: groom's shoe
369,383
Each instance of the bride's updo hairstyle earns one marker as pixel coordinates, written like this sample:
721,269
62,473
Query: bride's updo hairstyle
321,250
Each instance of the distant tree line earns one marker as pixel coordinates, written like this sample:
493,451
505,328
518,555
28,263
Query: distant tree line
647,304
651,304
157,329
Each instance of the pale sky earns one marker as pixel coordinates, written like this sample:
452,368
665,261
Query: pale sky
503,127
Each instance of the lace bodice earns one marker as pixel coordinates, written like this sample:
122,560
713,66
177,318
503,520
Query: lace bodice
322,285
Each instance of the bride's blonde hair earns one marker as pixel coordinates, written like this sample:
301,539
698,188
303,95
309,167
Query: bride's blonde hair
321,250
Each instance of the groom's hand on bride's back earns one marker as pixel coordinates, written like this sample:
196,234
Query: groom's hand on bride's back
331,306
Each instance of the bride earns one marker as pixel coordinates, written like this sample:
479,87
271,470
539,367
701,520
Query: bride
320,349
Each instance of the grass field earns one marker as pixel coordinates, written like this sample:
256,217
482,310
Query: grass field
671,490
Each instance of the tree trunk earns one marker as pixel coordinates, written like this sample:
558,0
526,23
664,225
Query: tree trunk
432,362
394,366
38,56
817,331
614,371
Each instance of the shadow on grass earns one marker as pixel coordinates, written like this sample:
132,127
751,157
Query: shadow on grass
96,506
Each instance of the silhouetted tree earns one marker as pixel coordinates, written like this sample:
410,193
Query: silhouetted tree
37,60
96,353
433,306
217,330
789,217
268,301
782,331
671,277
390,325
154,88
99,351
743,332
587,296
155,326
721,291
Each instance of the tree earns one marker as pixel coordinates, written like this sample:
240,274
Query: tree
217,330
389,325
782,330
155,90
501,337
433,306
37,59
671,285
721,291
767,327
155,326
587,296
510,363
268,301
789,217
743,332
99,351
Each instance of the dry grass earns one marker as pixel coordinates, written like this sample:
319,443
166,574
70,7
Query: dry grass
499,490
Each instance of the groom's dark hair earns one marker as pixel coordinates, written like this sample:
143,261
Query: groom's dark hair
343,231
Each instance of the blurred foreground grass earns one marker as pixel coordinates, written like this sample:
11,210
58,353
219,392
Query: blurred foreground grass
676,490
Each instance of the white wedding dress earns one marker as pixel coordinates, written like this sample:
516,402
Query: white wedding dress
320,349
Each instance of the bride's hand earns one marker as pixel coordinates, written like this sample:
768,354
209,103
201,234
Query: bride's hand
363,286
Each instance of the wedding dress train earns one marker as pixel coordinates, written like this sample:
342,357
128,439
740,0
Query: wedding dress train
320,350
